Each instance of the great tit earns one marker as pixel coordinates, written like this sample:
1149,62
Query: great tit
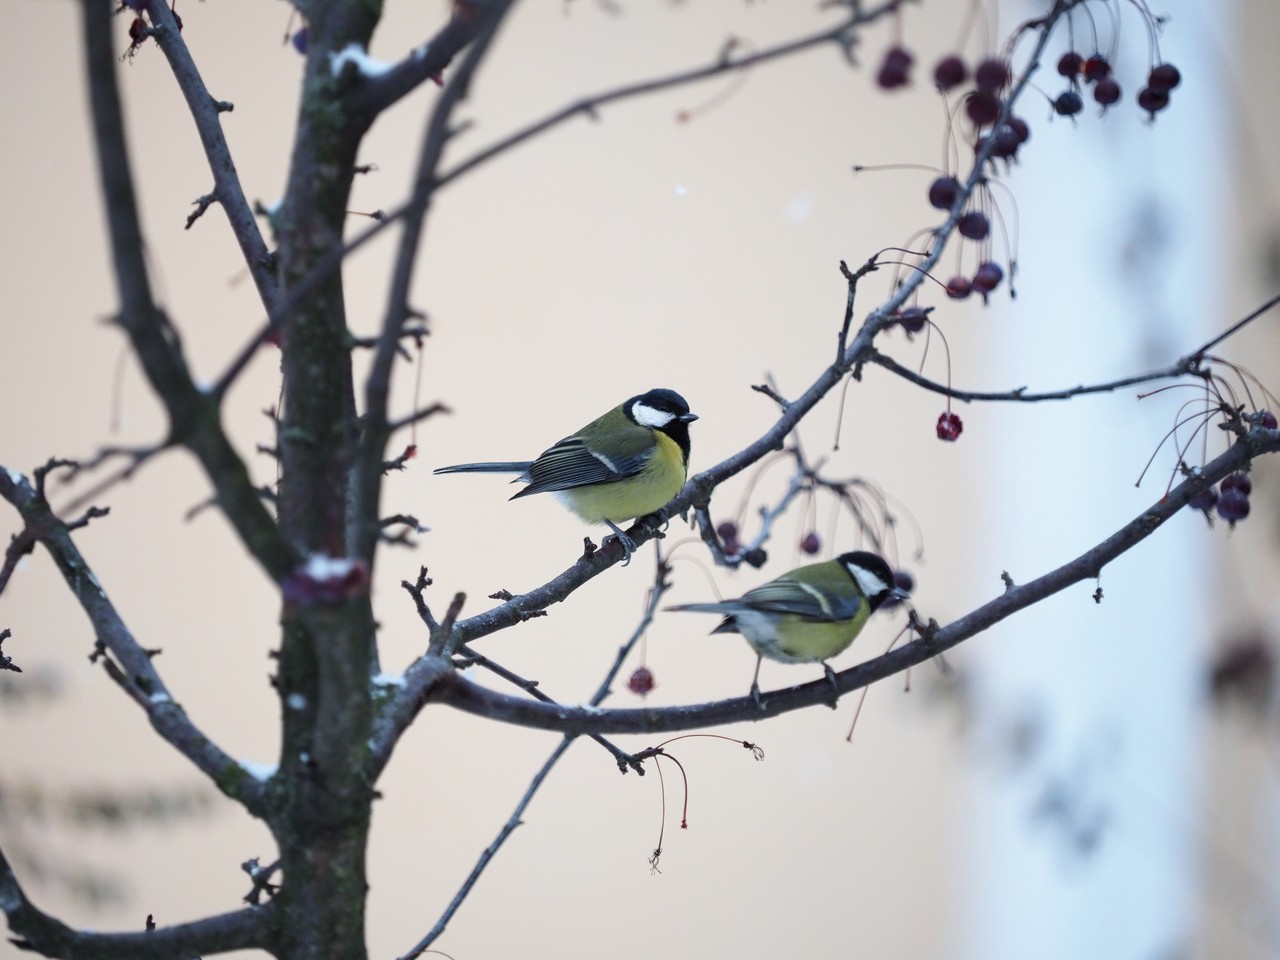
807,615
620,466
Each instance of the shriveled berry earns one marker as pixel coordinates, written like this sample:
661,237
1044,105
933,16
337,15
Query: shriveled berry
943,192
1096,68
895,70
974,225
950,72
1106,92
756,557
991,75
1153,101
1266,419
1070,64
1163,77
1019,126
988,276
811,543
1237,481
1205,500
982,108
641,681
1233,506
958,287
913,319
949,426
299,41
1068,103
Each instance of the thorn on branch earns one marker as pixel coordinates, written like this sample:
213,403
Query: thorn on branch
261,877
503,595
223,106
773,395
52,464
201,205
93,513
6,663
399,462
1007,580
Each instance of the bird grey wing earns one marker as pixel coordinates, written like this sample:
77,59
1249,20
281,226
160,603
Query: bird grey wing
792,596
571,463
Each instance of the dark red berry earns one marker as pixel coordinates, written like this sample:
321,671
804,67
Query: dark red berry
137,31
1233,506
950,72
811,543
1265,419
991,75
895,71
1163,77
299,40
974,225
1068,104
1106,92
1096,68
943,192
1205,500
959,287
1237,481
1152,101
949,426
1007,141
982,108
640,681
913,319
1019,126
1070,64
988,276
728,534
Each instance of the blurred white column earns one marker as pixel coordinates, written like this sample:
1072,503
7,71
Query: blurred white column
1085,794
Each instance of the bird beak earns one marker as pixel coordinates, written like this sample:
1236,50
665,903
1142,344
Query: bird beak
687,417
899,594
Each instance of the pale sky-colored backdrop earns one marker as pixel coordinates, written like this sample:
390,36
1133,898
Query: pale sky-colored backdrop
594,263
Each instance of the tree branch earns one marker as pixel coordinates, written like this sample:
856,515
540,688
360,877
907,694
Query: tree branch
36,931
194,416
135,672
227,191
458,692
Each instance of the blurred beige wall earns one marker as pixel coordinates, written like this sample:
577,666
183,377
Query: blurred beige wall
603,259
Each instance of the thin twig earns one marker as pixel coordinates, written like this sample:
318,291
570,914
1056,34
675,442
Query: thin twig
464,695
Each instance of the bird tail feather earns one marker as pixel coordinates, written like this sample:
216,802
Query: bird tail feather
515,466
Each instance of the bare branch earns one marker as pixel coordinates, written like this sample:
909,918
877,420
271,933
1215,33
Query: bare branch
227,191
508,828
134,671
460,693
194,416
34,930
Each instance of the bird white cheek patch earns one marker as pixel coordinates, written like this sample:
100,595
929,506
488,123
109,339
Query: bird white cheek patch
647,416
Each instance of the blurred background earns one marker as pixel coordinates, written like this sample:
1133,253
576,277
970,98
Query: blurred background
1078,784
